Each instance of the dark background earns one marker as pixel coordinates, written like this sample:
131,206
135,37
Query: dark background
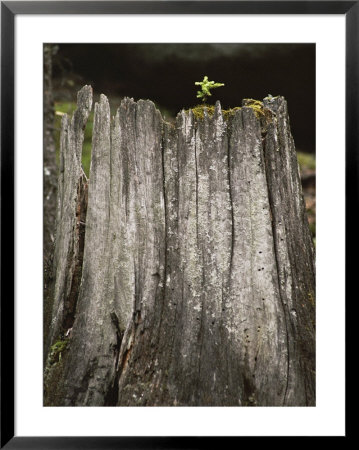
165,74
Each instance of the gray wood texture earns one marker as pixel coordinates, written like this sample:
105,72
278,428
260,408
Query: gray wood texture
187,277
71,203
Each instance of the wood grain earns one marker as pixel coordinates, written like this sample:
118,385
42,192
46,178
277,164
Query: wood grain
197,274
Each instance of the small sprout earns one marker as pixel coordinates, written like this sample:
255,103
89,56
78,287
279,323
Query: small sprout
206,86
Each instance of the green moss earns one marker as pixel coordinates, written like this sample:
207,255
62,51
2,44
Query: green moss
53,395
57,350
199,111
256,105
259,110
227,113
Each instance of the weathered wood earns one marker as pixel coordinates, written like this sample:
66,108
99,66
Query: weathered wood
71,210
294,255
198,279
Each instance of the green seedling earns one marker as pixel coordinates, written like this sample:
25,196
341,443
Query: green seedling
206,86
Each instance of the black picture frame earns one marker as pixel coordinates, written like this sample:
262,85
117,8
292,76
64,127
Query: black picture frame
9,10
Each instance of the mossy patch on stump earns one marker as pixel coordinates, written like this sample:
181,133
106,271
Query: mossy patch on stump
260,111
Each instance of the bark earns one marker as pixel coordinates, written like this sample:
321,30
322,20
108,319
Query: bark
197,274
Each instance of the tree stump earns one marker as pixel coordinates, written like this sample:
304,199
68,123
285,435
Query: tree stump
185,267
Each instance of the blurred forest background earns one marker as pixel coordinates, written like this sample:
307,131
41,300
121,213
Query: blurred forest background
165,74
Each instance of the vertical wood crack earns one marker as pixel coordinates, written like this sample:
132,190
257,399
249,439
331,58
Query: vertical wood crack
275,245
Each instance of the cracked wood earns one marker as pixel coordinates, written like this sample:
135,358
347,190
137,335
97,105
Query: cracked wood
197,248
